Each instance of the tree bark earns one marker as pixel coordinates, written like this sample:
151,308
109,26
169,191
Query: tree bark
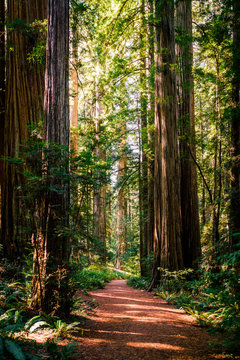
121,204
99,196
167,224
151,115
191,247
143,183
217,186
24,105
2,92
74,112
235,132
56,123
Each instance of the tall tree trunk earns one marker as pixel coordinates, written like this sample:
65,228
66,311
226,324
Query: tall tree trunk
99,200
24,104
203,199
121,204
2,92
151,115
191,247
99,196
143,188
217,189
167,225
235,130
56,108
74,112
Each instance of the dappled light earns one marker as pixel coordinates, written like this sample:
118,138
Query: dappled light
136,325
119,179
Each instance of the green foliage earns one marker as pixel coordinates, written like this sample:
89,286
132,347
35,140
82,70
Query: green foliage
37,323
57,353
214,306
12,294
14,349
16,321
64,330
95,277
138,282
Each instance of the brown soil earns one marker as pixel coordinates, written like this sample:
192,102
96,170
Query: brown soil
134,325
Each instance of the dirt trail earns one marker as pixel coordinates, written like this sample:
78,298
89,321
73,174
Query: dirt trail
133,325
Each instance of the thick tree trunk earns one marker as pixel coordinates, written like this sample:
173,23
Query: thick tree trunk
56,108
235,131
2,92
167,225
74,112
24,104
143,183
151,115
191,247
217,188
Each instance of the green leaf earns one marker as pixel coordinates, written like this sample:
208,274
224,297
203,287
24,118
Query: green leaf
1,346
32,321
14,349
31,356
38,325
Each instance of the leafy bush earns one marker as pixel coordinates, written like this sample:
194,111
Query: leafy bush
15,321
216,307
95,277
55,353
138,282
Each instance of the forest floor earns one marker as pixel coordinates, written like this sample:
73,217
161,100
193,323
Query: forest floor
131,324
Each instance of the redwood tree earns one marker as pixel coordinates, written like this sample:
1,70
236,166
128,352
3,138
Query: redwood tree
99,196
191,247
143,163
56,124
2,90
24,104
167,220
235,129
121,202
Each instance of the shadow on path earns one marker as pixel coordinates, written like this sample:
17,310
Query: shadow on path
131,324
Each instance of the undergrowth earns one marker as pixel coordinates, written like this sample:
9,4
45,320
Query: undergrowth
138,282
95,277
17,319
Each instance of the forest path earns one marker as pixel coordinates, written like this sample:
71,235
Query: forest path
132,324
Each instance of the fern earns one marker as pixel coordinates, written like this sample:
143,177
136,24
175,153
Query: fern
1,347
14,349
32,321
63,329
38,325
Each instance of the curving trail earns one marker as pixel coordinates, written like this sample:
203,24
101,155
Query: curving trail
132,324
